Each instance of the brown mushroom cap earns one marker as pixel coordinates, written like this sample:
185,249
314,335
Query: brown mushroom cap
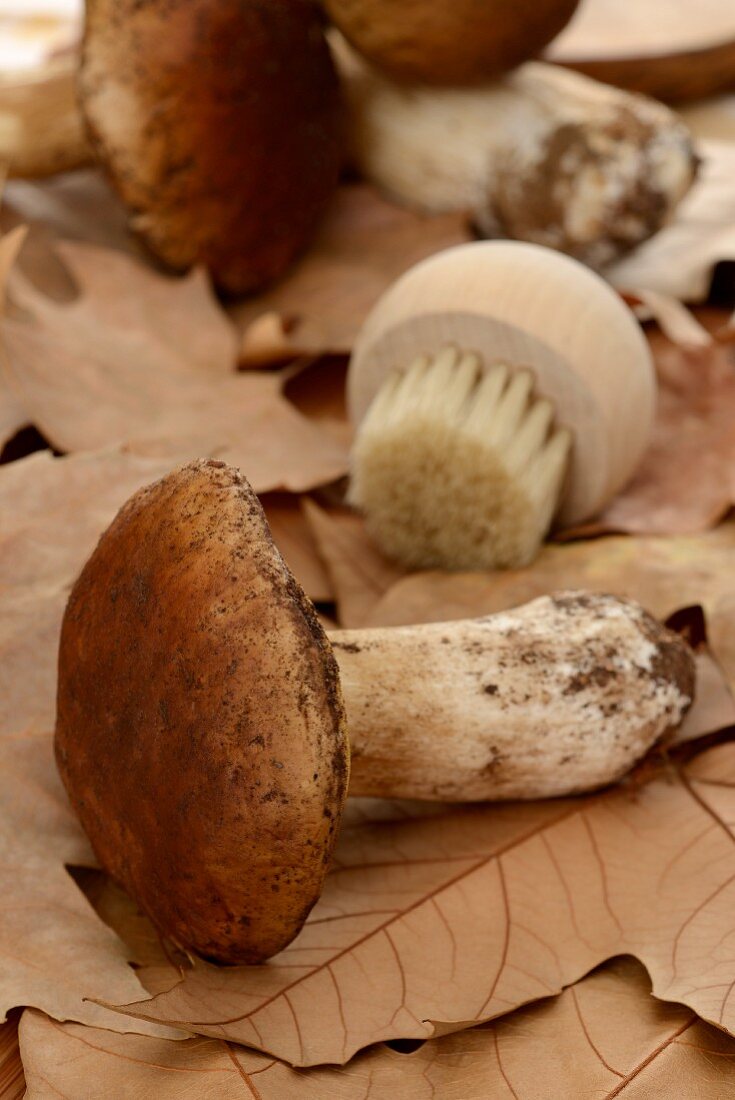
200,727
449,41
219,124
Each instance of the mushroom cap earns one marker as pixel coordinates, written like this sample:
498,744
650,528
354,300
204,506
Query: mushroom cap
220,126
200,726
449,41
526,306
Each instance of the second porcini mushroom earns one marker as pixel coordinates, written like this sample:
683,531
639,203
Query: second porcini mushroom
201,724
495,387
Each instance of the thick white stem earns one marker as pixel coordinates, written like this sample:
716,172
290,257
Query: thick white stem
559,696
543,155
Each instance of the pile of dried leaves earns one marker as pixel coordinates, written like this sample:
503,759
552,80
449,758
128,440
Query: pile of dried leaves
545,905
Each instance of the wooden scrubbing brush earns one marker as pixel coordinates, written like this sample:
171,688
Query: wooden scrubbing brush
495,386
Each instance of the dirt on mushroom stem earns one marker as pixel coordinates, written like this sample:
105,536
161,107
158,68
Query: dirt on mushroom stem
562,695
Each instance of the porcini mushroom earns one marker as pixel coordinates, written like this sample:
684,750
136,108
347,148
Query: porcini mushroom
219,125
200,729
449,41
542,155
494,386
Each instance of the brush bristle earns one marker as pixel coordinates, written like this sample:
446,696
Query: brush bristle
459,469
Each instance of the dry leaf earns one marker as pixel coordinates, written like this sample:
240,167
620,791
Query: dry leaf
157,966
174,322
12,414
603,1033
714,704
76,205
358,571
294,539
54,952
58,507
53,949
686,482
675,320
317,388
680,260
600,1037
139,357
541,893
364,244
396,883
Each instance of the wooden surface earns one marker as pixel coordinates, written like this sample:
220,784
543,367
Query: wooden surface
12,1082
669,49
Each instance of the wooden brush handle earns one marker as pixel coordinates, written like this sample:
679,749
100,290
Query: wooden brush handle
529,307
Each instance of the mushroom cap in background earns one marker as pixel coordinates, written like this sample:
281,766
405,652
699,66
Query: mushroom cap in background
449,41
220,126
200,727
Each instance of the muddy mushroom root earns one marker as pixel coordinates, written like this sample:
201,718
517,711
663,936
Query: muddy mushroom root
219,125
201,728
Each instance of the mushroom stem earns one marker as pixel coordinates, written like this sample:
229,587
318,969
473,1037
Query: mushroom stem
479,450
542,155
559,696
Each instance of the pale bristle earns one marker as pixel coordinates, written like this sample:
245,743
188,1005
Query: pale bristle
456,469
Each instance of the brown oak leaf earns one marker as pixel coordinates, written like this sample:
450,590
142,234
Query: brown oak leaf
686,482
541,893
142,358
364,244
359,573
603,1037
12,414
